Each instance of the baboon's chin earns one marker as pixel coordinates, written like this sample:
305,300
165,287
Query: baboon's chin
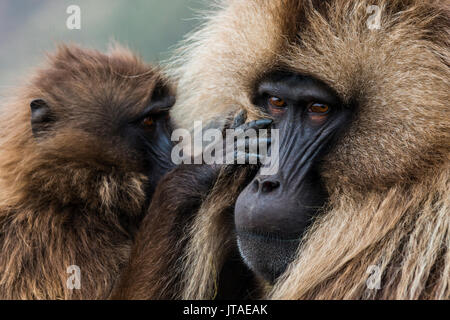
266,255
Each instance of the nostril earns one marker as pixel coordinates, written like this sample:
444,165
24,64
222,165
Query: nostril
255,185
269,186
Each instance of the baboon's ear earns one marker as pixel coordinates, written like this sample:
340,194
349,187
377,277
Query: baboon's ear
163,97
41,116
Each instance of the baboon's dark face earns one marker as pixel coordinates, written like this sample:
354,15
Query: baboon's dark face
273,212
109,114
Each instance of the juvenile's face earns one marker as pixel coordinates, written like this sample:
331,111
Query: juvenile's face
106,112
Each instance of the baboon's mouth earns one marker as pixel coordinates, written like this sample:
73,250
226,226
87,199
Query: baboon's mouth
268,255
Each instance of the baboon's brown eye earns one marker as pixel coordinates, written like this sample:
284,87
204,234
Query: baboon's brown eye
148,122
319,108
277,102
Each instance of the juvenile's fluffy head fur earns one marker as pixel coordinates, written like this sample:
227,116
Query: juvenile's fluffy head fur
388,176
73,194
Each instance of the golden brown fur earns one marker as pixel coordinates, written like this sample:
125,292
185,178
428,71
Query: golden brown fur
74,197
389,175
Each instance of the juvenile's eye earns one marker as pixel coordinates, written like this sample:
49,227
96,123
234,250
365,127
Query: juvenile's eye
148,122
319,108
277,102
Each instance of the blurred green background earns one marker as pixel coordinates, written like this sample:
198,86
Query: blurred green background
29,28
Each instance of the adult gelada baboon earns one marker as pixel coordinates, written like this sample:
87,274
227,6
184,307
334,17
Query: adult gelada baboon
82,147
360,206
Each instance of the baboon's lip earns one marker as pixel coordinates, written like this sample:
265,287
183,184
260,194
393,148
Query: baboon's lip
270,236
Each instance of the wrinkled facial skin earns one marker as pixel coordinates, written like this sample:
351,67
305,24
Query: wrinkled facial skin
273,212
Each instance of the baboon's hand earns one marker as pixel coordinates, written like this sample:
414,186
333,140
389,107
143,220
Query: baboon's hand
237,156
242,153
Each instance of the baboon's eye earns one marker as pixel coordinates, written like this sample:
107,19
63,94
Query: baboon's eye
319,108
277,102
277,106
148,122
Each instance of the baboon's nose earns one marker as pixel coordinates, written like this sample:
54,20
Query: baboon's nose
265,185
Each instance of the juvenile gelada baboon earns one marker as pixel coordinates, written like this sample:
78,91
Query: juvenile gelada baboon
360,206
81,148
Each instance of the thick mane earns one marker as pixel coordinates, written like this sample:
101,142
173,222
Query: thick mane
388,178
403,234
